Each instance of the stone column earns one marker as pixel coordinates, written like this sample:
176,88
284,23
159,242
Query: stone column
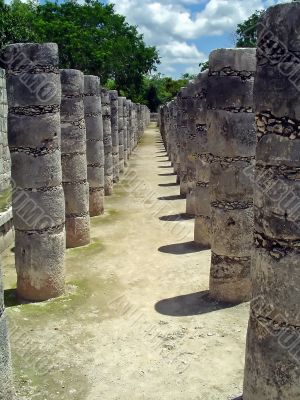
231,138
4,154
202,196
182,101
272,369
115,134
191,147
6,382
107,141
73,159
133,127
94,141
121,133
129,128
125,119
34,134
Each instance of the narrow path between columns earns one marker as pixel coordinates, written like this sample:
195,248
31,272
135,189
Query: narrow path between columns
136,322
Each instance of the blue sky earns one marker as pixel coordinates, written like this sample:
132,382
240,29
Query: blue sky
185,31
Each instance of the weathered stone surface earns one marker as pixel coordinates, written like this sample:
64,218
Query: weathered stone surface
94,144
231,142
34,91
5,166
113,94
202,164
107,141
121,133
73,158
272,352
125,117
6,383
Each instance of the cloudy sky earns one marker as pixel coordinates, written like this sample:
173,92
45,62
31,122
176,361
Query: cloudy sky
185,31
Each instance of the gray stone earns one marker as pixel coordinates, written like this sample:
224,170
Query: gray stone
107,141
94,141
113,94
272,351
231,142
36,168
73,158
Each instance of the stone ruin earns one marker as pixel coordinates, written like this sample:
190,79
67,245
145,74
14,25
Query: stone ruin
246,190
234,151
69,142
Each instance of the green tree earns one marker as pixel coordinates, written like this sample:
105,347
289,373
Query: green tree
246,31
90,36
93,38
204,66
16,22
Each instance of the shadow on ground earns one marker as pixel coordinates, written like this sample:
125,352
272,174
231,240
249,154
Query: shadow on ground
168,174
190,304
182,248
10,298
172,197
168,184
176,217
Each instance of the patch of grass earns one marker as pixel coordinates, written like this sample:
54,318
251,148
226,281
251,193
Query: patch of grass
5,200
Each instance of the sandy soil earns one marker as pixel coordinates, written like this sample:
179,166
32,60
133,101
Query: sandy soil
136,321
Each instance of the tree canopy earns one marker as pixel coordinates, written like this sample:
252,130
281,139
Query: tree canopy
90,36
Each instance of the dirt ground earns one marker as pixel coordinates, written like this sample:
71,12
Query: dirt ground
136,322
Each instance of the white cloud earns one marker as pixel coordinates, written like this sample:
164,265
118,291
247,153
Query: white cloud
173,27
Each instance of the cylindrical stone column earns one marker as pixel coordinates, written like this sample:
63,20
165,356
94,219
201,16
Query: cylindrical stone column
113,94
272,370
73,158
129,127
94,142
6,382
125,131
191,153
121,133
107,141
34,133
231,138
202,195
182,100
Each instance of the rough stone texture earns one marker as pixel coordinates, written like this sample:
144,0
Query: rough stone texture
183,101
113,94
34,134
202,197
4,151
133,126
94,144
6,382
73,159
272,353
121,133
125,125
191,146
231,139
129,128
107,140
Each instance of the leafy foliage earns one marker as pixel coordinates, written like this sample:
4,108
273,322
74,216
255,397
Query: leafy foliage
158,89
90,36
246,31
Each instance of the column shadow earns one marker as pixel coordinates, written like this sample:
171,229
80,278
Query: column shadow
168,184
172,197
190,304
11,299
182,248
176,217
168,174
